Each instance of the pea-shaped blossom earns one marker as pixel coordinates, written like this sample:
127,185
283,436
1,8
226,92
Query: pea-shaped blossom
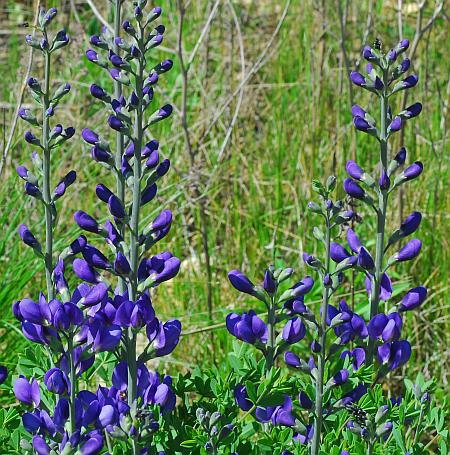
241,282
358,357
279,415
387,328
294,330
247,327
413,298
241,397
27,392
56,381
394,354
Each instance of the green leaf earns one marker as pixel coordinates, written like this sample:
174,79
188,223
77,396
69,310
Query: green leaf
189,443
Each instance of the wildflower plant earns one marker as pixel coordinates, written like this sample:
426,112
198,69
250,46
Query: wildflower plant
56,318
302,378
137,169
334,326
97,316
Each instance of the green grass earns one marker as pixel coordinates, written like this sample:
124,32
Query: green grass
294,125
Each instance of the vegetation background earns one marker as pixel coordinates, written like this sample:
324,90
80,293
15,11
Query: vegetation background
262,106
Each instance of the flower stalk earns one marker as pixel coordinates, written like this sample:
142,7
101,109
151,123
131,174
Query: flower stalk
46,181
321,358
120,140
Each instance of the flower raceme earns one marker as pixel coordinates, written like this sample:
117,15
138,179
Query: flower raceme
98,316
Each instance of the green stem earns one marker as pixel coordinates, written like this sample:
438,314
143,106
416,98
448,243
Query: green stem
46,187
318,419
120,187
419,424
381,219
370,445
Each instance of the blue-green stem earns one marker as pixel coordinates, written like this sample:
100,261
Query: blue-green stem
381,216
46,189
271,321
120,187
72,380
138,134
321,358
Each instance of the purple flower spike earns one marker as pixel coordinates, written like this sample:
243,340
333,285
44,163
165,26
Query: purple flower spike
413,298
353,170
357,78
353,189
27,237
294,331
413,171
240,282
411,224
27,392
247,327
409,251
86,222
89,136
